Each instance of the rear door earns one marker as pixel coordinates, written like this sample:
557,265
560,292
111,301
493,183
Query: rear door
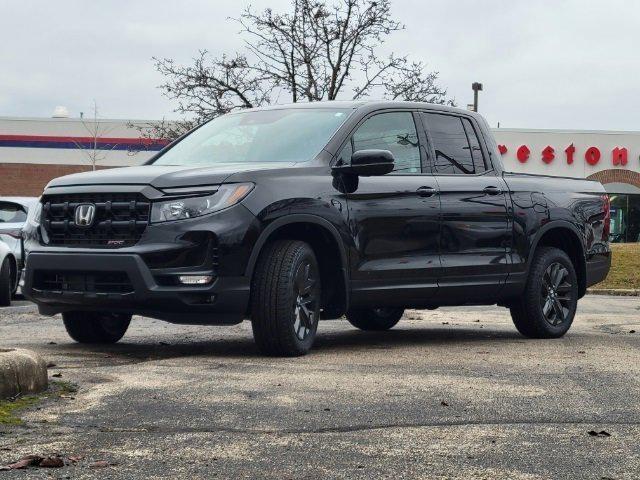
474,224
393,218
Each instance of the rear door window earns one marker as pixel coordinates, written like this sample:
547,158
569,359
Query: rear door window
456,145
476,151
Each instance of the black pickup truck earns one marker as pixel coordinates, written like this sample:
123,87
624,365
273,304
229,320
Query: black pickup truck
289,214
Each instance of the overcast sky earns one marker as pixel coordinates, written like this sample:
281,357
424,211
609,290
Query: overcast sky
544,64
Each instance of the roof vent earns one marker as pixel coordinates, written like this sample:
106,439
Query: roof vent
60,112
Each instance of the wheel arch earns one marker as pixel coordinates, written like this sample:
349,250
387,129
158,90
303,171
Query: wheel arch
565,236
327,244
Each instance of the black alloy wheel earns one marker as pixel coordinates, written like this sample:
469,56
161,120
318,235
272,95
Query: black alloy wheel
555,294
307,302
377,319
286,298
548,304
96,327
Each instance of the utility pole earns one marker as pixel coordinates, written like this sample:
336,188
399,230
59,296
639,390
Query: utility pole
477,87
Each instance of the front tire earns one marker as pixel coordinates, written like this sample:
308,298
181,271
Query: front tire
549,302
374,318
285,299
6,283
96,327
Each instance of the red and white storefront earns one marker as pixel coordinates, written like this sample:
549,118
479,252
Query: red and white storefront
612,158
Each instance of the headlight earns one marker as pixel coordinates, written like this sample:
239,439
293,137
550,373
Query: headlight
182,208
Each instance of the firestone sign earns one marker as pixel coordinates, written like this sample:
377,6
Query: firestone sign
619,156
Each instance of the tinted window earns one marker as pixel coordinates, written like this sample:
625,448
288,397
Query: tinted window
12,213
395,132
476,150
451,144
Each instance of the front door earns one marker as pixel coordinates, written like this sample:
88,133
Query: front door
474,224
393,218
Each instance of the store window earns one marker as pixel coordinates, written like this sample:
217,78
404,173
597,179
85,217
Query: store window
625,218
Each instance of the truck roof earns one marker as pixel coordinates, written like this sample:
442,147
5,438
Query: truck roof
363,105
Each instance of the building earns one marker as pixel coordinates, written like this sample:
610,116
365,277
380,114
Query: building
35,150
612,158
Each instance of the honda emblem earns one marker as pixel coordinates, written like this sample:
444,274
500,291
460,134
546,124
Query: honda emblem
85,214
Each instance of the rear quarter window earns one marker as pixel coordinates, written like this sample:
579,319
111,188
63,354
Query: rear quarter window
12,213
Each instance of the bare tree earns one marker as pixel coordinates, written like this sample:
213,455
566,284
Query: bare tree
316,51
96,130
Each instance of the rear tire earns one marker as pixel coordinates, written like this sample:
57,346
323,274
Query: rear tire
15,279
376,319
96,327
6,286
285,299
548,305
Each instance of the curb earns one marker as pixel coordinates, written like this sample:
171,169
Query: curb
620,292
21,372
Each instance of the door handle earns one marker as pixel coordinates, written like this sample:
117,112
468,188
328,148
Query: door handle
426,191
491,190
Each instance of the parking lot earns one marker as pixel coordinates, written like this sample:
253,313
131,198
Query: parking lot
454,393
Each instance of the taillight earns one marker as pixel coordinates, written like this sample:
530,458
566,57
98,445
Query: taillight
607,217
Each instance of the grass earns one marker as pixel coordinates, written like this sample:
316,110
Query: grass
625,267
9,409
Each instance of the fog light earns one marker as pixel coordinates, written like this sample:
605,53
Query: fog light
195,279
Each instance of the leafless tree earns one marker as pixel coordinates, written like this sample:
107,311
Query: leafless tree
96,130
316,51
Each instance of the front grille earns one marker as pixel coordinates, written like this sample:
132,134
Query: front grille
120,219
85,282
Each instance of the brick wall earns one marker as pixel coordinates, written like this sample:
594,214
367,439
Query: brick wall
617,175
29,179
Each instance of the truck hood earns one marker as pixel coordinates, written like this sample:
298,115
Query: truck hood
163,176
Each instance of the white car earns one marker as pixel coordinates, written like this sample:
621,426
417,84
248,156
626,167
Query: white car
8,274
13,215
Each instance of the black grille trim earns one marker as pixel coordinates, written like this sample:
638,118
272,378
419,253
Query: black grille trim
85,282
120,219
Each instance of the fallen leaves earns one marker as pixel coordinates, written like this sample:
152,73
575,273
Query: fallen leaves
52,461
36,461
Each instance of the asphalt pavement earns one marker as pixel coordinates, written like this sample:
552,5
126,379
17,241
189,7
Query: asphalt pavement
453,393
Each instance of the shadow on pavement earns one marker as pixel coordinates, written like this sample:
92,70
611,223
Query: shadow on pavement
328,342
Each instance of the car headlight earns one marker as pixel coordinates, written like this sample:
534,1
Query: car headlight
183,208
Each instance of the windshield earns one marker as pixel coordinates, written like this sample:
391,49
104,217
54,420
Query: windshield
288,135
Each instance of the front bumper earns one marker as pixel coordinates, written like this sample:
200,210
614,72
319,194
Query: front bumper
224,301
219,245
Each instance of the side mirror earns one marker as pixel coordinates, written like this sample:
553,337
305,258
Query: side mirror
368,163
